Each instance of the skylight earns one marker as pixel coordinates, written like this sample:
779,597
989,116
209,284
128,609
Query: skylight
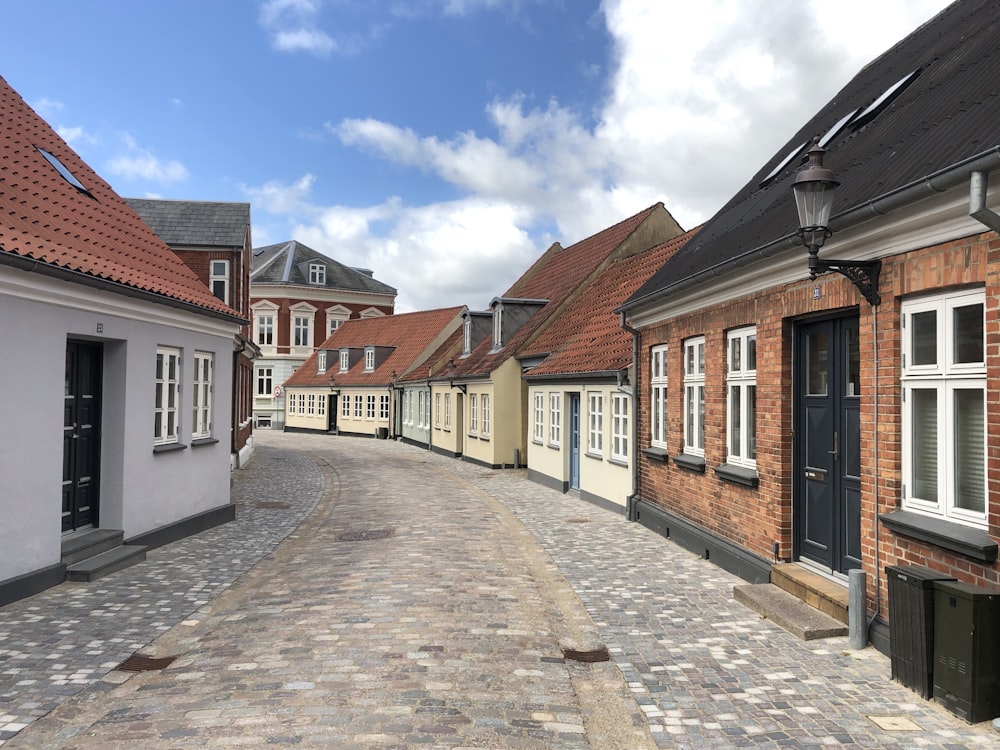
784,163
882,103
63,170
840,125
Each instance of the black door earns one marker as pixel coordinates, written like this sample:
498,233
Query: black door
827,484
81,435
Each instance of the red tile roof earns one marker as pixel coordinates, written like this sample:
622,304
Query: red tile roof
587,337
93,232
553,277
409,333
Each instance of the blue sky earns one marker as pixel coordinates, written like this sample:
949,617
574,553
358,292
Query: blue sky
442,143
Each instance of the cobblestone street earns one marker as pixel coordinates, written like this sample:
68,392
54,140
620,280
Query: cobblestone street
374,595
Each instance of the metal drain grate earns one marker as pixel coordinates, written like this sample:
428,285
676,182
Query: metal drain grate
367,535
272,505
588,657
577,520
143,663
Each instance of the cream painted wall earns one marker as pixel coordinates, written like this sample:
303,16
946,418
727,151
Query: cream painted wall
361,425
447,435
307,421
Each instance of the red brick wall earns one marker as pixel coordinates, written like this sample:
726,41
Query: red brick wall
283,318
753,518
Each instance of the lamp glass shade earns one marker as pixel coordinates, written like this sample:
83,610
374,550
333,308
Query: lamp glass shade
814,201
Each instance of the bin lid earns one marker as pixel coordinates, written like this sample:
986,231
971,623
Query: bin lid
966,590
916,575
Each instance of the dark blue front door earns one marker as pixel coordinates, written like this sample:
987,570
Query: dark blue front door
574,441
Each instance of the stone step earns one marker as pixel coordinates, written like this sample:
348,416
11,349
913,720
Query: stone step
829,597
106,562
89,543
787,611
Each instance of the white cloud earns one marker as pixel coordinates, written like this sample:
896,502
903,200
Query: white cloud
293,26
139,163
47,107
699,97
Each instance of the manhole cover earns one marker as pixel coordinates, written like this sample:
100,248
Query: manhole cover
895,724
589,657
272,505
577,520
143,663
366,535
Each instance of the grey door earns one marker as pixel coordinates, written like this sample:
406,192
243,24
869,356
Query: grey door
574,441
81,435
827,445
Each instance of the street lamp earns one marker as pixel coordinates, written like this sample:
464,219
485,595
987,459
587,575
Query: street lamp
814,188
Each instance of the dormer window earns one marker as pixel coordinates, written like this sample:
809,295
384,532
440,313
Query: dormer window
345,360
369,359
321,362
467,337
317,274
497,326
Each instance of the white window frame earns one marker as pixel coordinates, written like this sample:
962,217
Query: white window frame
359,406
218,273
311,408
538,433
484,407
946,378
555,419
345,360
370,407
302,323
166,404
437,411
620,435
383,407
467,337
302,403
321,362
741,397
447,411
317,274
369,360
658,396
264,323
497,327
265,382
321,405
473,415
694,396
201,400
595,424
345,405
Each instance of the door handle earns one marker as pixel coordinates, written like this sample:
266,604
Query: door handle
836,447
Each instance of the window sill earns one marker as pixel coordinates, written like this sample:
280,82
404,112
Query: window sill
690,463
553,446
168,448
204,441
737,475
537,442
618,462
948,535
656,454
595,456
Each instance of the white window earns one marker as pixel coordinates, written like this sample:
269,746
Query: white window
265,381
467,337
619,427
539,431
369,360
447,411
302,403
218,279
301,330
321,362
741,397
317,274
358,406
473,415
168,368
658,396
291,408
370,406
595,424
694,396
265,330
555,418
345,406
944,406
321,406
311,409
345,360
201,421
437,411
332,324
383,407
497,326
485,431
421,408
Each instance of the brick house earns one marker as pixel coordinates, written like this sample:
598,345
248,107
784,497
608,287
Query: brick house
298,297
793,423
213,239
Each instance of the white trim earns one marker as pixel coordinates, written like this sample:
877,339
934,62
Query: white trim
694,396
741,378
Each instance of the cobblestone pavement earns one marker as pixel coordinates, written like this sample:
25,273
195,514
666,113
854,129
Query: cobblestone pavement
420,601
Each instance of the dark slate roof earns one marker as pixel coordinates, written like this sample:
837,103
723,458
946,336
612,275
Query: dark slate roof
948,114
49,225
195,223
283,264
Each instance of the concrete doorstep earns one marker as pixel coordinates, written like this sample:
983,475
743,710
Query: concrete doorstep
787,611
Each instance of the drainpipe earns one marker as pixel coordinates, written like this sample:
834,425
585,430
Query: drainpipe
630,501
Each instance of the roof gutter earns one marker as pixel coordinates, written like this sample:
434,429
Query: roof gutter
31,265
932,184
591,375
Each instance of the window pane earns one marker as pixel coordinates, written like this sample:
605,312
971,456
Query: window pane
751,425
734,420
817,356
752,352
967,323
701,417
925,444
923,344
734,355
970,457
853,358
